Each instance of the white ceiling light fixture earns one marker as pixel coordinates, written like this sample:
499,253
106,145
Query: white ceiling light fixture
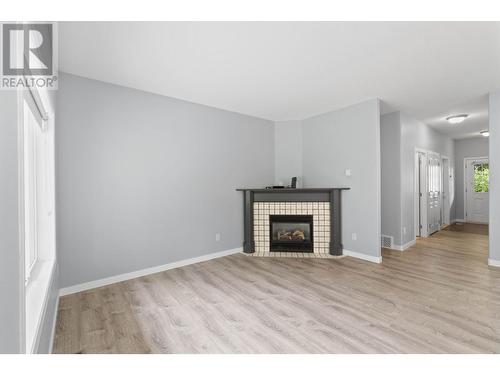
456,119
485,133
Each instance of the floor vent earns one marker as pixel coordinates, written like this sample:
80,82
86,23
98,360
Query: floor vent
386,241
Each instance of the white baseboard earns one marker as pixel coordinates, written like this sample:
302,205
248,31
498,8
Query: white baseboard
369,258
147,271
53,331
403,247
469,221
45,301
493,263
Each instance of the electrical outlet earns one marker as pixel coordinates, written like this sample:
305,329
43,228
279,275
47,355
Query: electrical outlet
354,236
217,236
404,230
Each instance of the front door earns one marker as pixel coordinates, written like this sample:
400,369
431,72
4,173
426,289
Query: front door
477,172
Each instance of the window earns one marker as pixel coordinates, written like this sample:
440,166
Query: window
481,177
33,185
38,226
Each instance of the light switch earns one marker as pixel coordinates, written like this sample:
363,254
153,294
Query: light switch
348,172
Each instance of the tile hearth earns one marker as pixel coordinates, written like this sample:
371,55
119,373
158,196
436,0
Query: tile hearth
282,254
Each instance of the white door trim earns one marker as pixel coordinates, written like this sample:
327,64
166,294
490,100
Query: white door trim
420,209
444,157
416,208
470,158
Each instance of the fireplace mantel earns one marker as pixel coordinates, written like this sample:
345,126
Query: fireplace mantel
293,189
332,195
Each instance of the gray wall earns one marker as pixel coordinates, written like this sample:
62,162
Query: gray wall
10,293
494,127
416,134
288,151
348,138
390,160
398,165
465,148
145,180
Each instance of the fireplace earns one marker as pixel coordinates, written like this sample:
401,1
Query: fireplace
322,204
291,233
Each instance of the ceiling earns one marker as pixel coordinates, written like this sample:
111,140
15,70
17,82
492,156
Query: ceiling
477,120
294,70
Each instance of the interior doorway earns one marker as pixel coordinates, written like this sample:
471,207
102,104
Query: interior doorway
476,173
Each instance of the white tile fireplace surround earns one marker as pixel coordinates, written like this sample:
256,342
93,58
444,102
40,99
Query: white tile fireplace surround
309,220
320,212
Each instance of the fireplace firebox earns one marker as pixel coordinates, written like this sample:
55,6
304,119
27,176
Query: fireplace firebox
291,233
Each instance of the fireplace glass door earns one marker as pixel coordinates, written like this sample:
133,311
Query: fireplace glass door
291,233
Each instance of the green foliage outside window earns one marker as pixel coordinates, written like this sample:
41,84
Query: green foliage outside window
481,177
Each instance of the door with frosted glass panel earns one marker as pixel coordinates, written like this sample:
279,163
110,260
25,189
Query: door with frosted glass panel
434,192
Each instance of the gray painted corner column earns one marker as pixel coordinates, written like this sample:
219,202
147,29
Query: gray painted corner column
335,223
10,276
494,150
248,241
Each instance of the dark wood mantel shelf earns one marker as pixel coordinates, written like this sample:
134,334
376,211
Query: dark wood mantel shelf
290,190
331,195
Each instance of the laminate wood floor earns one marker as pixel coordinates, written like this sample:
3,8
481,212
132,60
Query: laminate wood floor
437,297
